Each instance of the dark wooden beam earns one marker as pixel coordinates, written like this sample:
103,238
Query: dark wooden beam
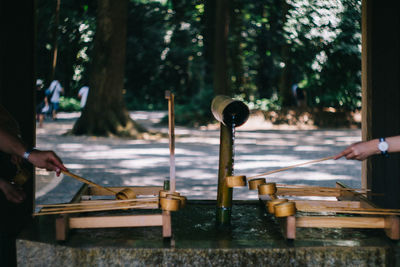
381,96
17,95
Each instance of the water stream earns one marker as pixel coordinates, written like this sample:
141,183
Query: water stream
233,125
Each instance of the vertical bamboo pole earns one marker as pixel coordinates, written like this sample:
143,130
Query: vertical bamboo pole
224,195
171,127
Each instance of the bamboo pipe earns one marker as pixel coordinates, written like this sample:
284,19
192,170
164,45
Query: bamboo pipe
290,167
92,210
171,126
352,212
97,202
97,205
334,209
320,187
86,181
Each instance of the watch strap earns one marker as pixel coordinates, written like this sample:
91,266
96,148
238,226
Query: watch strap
384,152
27,153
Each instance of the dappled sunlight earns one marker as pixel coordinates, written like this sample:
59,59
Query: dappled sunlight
310,148
73,147
140,163
123,153
144,181
249,166
191,152
155,116
200,140
72,166
265,143
348,139
271,157
208,163
126,162
311,176
138,142
202,175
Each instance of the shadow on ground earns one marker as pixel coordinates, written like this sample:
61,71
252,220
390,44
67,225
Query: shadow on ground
119,162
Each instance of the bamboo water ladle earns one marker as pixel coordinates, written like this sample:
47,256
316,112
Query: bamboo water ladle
124,194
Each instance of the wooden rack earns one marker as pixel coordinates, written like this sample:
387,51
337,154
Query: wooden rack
65,222
346,199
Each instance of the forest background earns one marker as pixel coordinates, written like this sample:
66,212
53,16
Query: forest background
170,45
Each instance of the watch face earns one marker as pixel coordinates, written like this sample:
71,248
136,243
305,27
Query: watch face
383,146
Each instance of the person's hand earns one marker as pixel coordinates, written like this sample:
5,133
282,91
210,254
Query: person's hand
359,151
12,193
47,160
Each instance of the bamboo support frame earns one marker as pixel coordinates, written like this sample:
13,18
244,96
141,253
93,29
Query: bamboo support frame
355,203
66,221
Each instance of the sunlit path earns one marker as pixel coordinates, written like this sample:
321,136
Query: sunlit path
116,162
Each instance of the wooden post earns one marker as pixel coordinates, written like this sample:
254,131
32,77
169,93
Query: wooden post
166,224
62,227
392,227
288,225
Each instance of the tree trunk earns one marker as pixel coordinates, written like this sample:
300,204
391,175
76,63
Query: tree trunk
221,85
55,40
105,113
235,47
209,38
285,92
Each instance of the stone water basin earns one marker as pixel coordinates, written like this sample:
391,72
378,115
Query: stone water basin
254,238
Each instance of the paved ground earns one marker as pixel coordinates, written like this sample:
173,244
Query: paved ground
259,148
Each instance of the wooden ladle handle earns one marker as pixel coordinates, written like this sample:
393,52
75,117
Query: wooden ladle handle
291,167
86,181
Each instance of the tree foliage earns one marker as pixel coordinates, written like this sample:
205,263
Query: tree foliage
272,45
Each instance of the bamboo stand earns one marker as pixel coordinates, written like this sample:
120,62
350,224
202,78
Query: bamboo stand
349,201
65,222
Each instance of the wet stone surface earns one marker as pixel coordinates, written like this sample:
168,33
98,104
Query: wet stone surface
254,238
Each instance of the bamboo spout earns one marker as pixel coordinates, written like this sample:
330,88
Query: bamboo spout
231,113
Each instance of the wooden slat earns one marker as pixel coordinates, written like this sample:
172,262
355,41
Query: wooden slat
349,195
282,191
116,221
341,222
305,204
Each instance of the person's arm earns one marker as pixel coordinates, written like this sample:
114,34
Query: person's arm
363,150
43,159
12,193
10,144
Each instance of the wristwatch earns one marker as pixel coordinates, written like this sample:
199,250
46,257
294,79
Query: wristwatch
383,146
27,153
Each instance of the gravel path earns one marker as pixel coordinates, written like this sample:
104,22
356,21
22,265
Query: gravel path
259,147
